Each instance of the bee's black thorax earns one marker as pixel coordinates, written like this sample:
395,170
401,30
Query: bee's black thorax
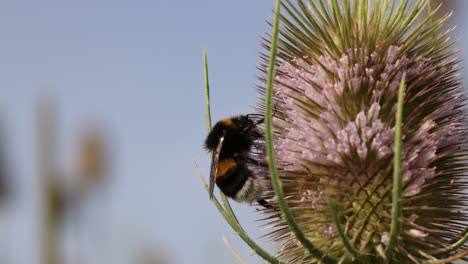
239,133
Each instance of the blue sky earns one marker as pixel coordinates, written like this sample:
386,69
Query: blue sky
135,68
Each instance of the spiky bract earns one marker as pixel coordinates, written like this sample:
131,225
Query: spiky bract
339,69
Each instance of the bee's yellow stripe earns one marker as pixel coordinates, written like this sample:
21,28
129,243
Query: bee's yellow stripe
227,122
224,166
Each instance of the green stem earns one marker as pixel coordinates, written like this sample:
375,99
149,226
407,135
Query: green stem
237,228
226,203
277,186
431,16
397,174
227,211
452,247
450,259
207,91
334,215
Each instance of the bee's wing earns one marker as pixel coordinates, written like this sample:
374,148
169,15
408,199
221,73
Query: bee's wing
214,164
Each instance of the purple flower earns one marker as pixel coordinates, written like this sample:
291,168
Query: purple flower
335,94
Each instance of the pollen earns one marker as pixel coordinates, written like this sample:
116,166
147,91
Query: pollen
224,167
228,122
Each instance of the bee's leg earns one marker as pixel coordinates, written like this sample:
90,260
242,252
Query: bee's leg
246,158
267,205
264,203
262,120
258,163
248,128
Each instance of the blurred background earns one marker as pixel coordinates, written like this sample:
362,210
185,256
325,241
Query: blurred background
102,115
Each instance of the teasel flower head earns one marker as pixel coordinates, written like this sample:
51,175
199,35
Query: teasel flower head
339,70
92,160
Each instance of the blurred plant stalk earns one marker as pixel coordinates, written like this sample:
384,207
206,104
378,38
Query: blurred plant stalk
54,197
92,159
50,202
5,190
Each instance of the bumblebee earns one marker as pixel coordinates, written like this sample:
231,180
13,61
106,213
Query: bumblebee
231,141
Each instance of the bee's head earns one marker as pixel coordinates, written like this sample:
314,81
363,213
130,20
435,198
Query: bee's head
238,133
233,126
219,129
